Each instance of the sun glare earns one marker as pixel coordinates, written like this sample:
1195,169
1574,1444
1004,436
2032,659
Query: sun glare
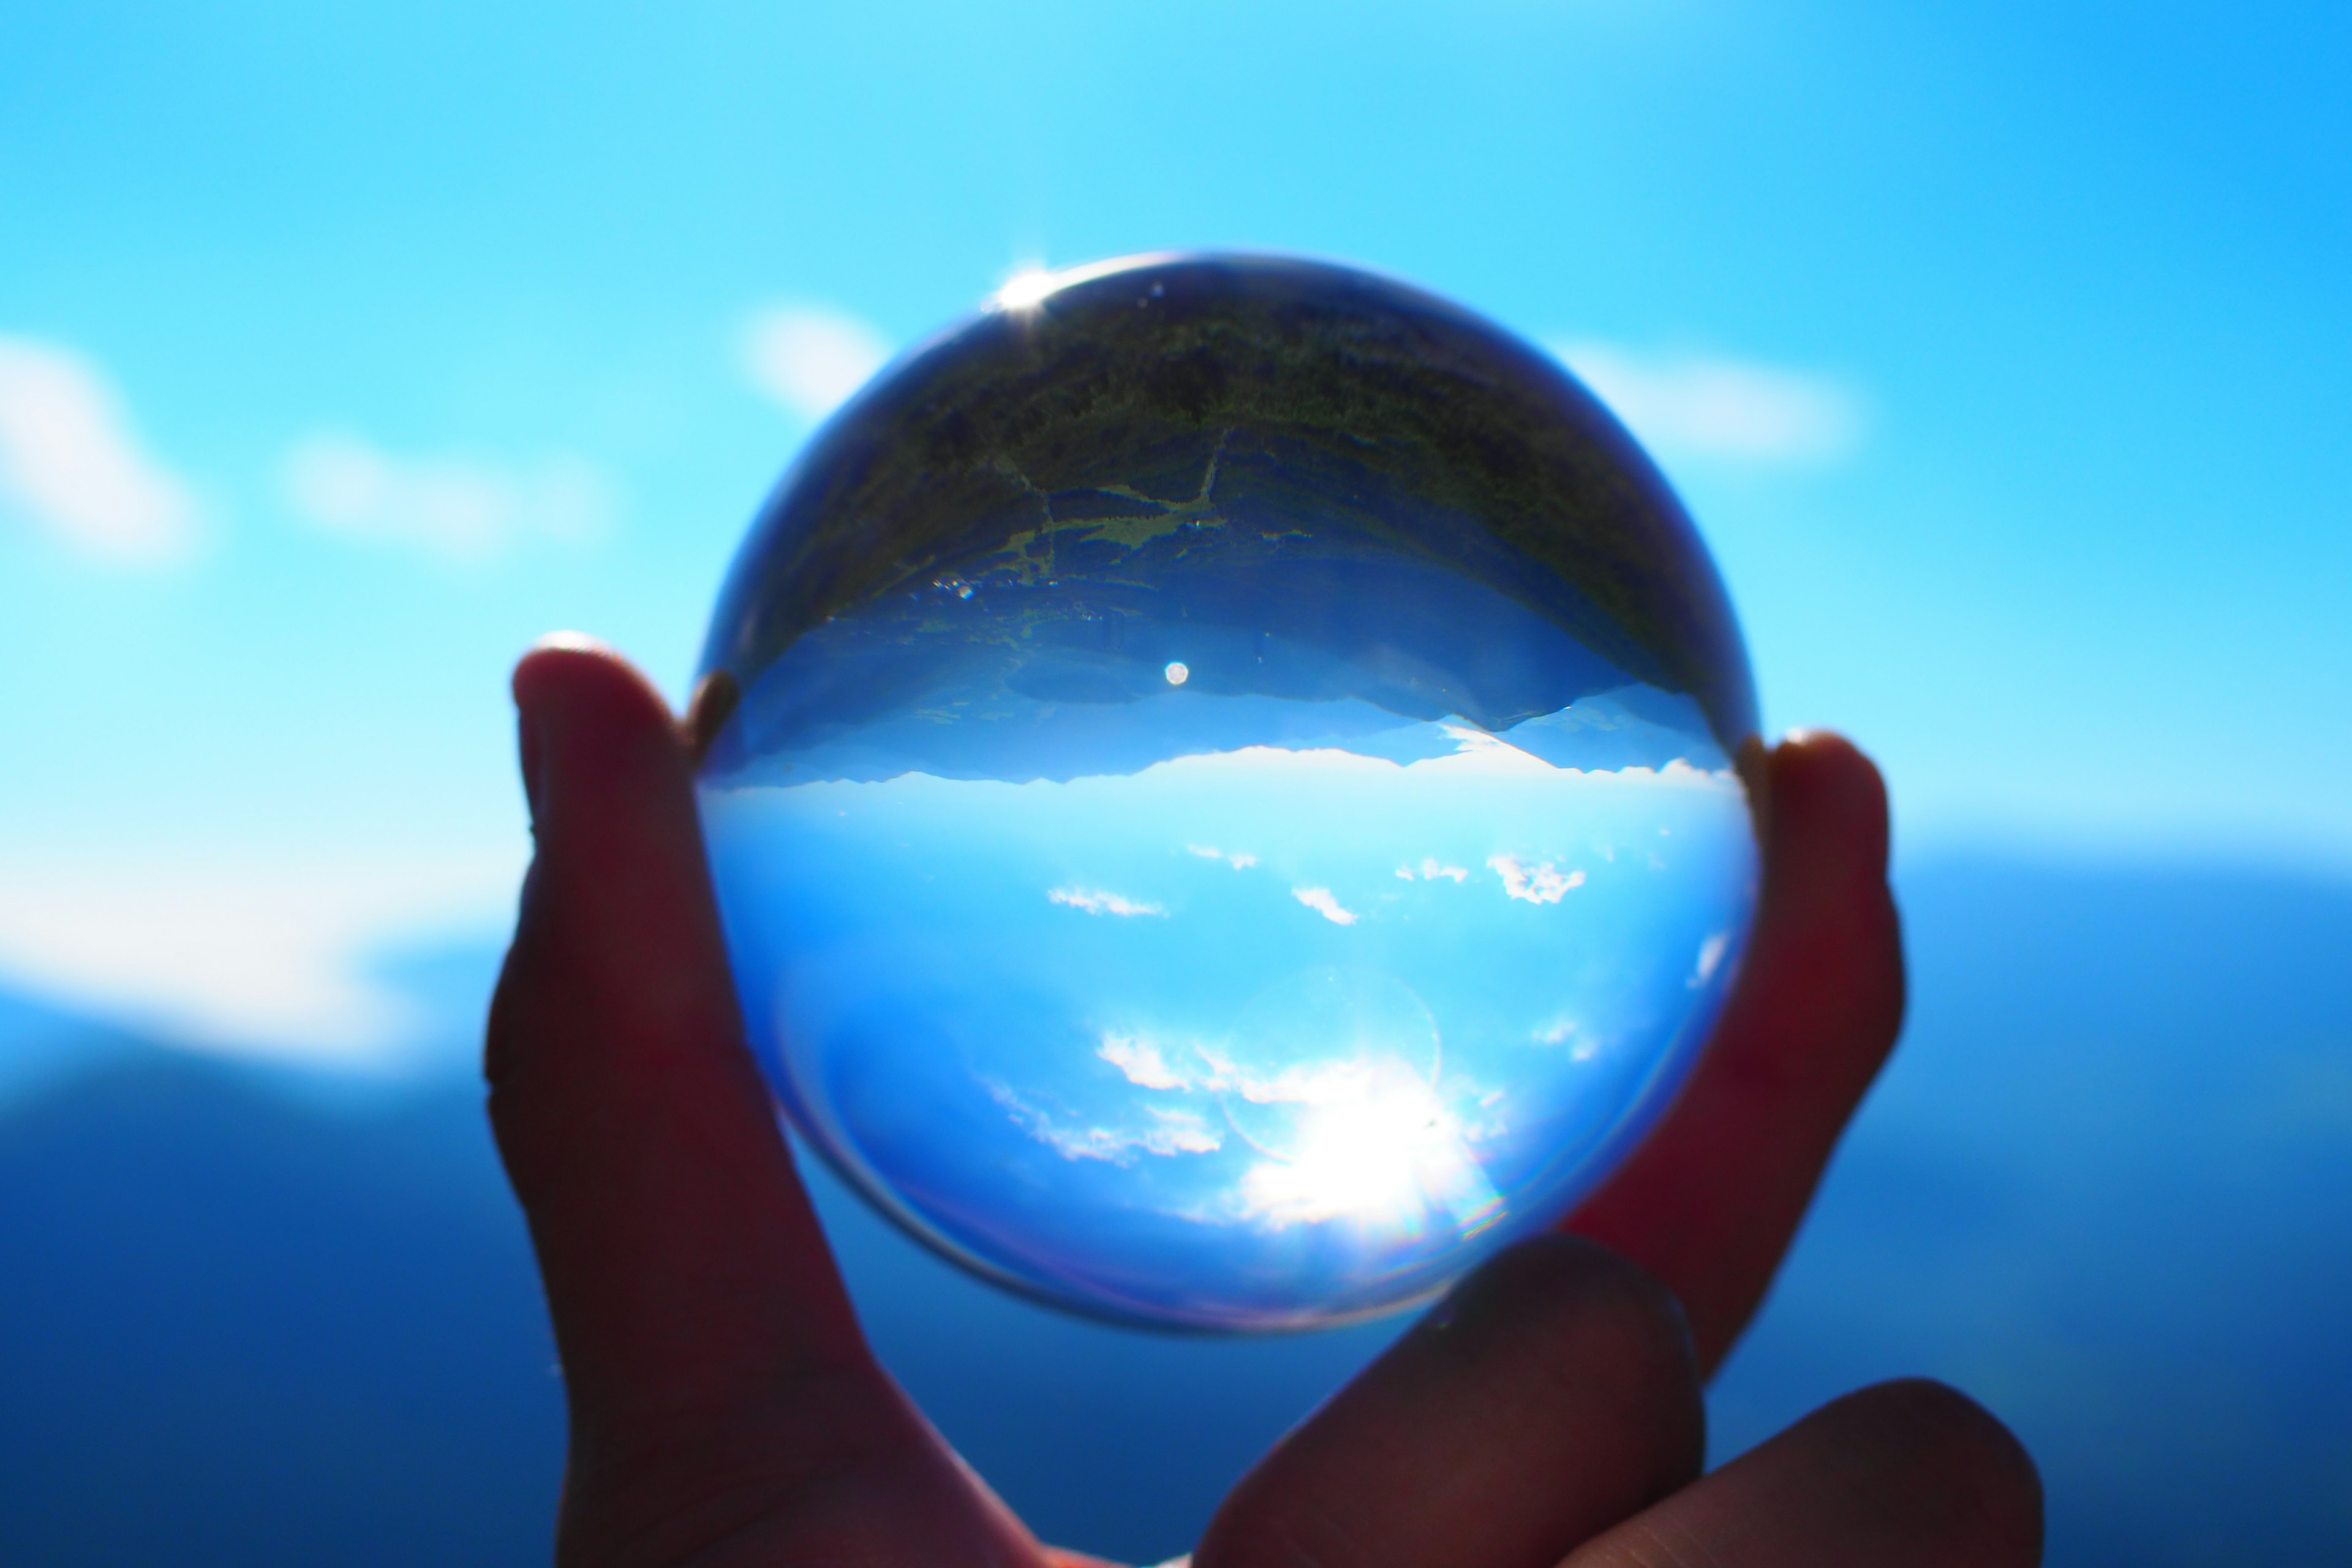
1391,1156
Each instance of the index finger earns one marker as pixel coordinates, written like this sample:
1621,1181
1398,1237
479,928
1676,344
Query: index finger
1710,1203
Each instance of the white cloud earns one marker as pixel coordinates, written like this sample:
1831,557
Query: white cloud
1235,858
1710,958
70,461
1176,1130
248,960
460,510
1169,1130
1543,884
1094,901
1431,870
1694,405
810,359
1320,901
1488,751
1141,1062
1566,1031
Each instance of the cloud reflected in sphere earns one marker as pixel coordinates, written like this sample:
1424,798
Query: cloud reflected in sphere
1222,777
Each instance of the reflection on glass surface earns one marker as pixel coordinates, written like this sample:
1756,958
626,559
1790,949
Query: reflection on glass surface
1229,808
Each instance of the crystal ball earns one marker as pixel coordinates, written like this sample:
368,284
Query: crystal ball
1224,780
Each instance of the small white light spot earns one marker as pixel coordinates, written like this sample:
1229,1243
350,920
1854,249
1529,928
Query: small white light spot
1177,673
1027,291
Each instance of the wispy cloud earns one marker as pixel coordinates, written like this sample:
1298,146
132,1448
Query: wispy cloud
72,464
1238,860
1321,902
1699,405
1166,1130
810,358
458,509
1542,884
1094,901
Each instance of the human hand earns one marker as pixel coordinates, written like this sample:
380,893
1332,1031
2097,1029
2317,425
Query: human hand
724,1408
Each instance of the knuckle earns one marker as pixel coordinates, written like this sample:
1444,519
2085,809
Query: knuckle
1578,1328
1612,1308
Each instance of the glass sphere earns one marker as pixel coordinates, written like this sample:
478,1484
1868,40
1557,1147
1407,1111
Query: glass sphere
1223,779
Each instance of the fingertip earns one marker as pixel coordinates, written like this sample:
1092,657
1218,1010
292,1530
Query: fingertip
1824,787
1959,1436
1957,1469
566,667
581,705
1910,1472
1827,756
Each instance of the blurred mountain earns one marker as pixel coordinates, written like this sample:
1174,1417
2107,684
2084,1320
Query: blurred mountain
42,1044
252,1317
239,1325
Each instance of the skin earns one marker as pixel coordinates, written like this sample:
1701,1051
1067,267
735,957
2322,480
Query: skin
725,1411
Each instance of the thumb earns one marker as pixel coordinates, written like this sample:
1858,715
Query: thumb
686,1274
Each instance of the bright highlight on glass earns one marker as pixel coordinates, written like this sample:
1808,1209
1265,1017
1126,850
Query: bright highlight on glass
1274,983
1026,291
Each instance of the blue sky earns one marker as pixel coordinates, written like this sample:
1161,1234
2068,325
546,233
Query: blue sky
343,350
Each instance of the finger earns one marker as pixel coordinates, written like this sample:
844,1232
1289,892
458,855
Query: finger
704,1336
679,1251
1710,1204
1906,1475
1551,1396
